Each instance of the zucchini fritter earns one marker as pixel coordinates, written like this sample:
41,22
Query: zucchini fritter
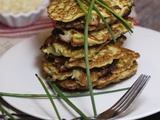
63,50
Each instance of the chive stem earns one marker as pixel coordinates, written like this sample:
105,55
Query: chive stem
104,4
60,93
103,19
55,96
86,56
6,112
49,96
82,6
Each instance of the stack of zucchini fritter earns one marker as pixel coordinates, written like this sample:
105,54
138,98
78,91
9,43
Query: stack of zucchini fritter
64,49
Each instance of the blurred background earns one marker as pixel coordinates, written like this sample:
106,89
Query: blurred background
148,13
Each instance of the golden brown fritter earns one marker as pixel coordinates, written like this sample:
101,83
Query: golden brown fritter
80,24
95,24
58,48
69,10
76,78
76,37
103,57
102,82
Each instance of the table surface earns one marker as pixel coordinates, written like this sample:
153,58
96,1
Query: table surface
148,13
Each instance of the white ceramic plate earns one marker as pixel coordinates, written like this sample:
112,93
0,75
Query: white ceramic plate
20,64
